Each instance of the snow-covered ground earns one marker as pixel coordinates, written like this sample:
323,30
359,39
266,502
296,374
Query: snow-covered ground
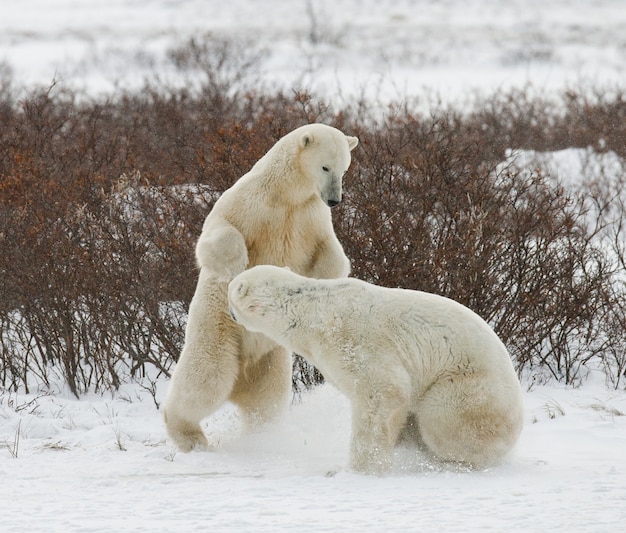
388,48
102,463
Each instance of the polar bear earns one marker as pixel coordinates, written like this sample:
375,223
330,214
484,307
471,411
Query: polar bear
277,213
402,357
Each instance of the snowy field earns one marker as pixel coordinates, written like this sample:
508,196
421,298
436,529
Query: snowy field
102,463
387,48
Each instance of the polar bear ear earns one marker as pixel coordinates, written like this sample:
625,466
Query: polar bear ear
352,142
306,139
255,307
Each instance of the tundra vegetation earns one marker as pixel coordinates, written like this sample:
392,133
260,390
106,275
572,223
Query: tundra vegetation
102,200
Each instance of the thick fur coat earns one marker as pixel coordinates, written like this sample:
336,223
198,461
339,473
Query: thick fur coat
279,214
409,361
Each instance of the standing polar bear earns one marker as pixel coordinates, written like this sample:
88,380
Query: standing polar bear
277,213
398,355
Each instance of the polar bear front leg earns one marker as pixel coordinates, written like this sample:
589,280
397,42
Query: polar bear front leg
221,250
329,260
263,388
378,415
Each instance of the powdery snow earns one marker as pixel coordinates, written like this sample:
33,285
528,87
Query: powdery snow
571,167
383,48
102,463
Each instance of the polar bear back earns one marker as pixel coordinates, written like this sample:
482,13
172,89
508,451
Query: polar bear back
427,333
438,331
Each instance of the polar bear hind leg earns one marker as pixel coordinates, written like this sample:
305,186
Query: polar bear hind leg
184,408
205,373
262,390
186,434
461,421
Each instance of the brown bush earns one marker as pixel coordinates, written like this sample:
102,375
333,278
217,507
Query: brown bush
101,203
426,209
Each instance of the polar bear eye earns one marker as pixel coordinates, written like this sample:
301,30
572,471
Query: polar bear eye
325,169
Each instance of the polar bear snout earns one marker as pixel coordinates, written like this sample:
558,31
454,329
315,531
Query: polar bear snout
332,195
331,187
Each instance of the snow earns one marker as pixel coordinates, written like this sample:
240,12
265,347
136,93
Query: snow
102,462
571,167
382,48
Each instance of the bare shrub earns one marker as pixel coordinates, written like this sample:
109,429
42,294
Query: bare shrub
605,193
428,210
101,203
526,119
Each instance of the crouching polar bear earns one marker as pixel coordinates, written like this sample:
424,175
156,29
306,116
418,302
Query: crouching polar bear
278,213
399,355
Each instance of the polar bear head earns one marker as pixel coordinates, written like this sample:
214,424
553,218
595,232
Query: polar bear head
324,158
259,298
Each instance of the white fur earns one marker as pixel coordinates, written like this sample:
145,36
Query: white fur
409,361
275,214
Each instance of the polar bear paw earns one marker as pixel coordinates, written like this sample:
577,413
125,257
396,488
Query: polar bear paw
223,253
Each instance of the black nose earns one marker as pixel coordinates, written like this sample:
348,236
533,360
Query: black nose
332,203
